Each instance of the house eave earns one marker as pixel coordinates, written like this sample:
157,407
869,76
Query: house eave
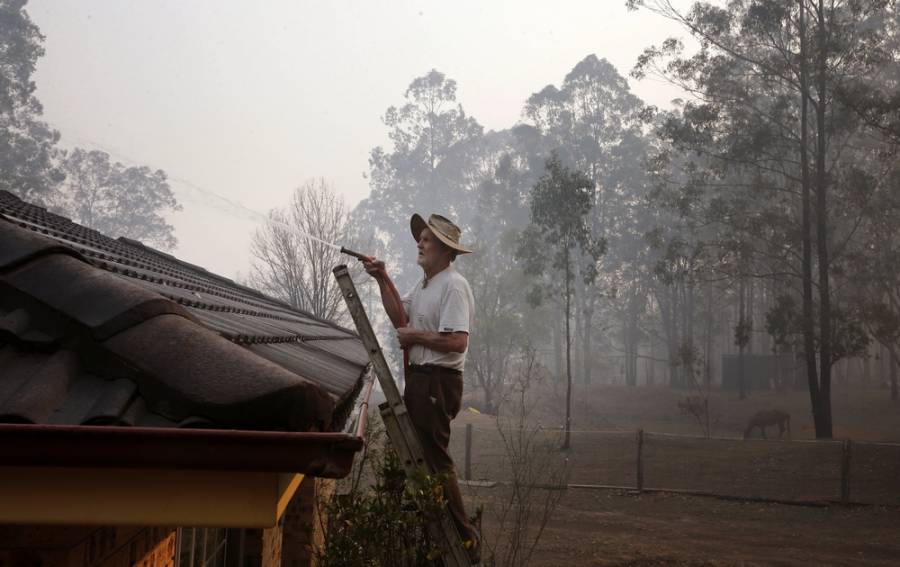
100,475
143,497
312,453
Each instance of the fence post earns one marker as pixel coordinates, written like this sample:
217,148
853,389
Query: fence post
468,468
845,471
640,460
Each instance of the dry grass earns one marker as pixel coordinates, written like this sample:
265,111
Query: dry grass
861,415
616,528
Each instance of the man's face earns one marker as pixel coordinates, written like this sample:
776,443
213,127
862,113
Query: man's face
432,252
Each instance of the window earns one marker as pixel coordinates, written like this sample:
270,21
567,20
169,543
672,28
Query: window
201,547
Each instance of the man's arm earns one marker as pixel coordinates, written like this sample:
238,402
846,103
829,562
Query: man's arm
441,342
390,297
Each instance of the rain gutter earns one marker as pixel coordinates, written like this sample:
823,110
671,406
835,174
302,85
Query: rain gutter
328,455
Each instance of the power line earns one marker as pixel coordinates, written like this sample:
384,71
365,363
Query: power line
220,202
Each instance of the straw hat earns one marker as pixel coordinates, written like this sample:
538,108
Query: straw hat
442,227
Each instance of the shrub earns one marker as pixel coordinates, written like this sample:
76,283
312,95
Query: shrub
378,518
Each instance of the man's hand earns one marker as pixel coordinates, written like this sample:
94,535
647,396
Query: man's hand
407,337
390,297
374,267
441,342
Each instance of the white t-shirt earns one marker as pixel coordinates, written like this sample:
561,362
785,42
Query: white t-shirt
445,305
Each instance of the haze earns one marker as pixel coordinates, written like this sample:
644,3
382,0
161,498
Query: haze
248,100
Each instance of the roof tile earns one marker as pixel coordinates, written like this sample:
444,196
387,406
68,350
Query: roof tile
17,325
20,246
97,299
158,342
109,407
219,381
46,388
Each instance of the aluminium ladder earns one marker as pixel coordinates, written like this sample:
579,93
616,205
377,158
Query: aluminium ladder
399,426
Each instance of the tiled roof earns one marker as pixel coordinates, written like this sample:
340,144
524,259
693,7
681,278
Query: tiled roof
97,331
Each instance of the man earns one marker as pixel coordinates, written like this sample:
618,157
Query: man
440,310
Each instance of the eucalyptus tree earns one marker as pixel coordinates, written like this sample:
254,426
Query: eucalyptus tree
558,239
499,212
110,197
764,85
679,240
593,120
875,96
116,199
499,285
590,119
626,277
871,267
678,268
28,150
427,167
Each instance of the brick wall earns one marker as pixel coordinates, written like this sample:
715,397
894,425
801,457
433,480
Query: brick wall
86,546
296,540
271,545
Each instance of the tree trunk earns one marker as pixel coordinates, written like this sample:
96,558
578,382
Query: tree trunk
626,344
667,314
751,306
685,364
566,443
867,370
894,364
798,370
586,352
488,395
809,335
676,337
630,340
823,425
578,336
707,366
558,349
777,380
742,315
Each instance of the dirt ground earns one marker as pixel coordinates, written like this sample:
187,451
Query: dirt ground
600,527
613,527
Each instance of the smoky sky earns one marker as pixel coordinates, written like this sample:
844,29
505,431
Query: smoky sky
247,100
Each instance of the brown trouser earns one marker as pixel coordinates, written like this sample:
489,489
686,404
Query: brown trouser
433,396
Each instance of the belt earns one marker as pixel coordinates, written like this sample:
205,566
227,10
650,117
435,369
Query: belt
433,369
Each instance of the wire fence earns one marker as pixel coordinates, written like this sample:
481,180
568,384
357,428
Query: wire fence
777,470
